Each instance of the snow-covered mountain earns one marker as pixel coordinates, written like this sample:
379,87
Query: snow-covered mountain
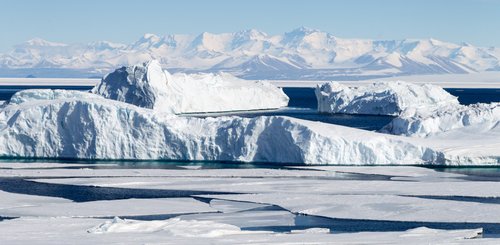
302,53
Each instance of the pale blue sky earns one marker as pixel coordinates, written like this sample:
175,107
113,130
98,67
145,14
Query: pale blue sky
473,21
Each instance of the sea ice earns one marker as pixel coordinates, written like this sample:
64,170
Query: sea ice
104,208
85,230
377,206
169,227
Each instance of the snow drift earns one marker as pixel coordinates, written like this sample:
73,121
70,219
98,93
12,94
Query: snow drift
147,85
381,98
72,124
169,227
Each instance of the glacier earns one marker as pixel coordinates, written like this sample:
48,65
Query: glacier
148,85
380,98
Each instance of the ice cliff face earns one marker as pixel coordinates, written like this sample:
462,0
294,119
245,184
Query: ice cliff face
425,122
381,98
147,85
143,85
71,124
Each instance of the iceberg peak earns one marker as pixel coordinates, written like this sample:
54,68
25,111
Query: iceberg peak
142,85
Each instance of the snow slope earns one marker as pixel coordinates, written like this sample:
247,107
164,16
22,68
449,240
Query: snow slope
147,85
84,125
302,53
380,98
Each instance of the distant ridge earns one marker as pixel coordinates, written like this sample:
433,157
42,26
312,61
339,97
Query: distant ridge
303,53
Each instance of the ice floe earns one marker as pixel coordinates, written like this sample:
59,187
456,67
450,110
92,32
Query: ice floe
223,218
378,207
170,227
331,182
86,230
106,208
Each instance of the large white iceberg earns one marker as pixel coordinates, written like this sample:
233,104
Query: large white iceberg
380,98
72,124
425,122
147,85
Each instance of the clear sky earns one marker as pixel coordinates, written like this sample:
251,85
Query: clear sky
80,21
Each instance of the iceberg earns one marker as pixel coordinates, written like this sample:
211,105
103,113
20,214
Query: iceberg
148,85
143,85
433,121
73,124
380,98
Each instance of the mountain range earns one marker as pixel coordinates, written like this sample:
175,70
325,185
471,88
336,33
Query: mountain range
303,53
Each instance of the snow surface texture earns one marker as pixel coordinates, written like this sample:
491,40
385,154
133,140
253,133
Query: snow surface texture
147,85
302,53
72,124
323,190
170,227
72,230
380,98
426,122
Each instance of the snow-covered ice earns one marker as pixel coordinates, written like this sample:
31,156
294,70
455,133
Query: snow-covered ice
105,208
465,135
317,191
89,126
291,182
81,231
380,98
169,227
378,207
148,85
424,122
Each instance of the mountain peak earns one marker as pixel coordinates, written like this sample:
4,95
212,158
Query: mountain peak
250,34
254,53
150,37
304,29
146,41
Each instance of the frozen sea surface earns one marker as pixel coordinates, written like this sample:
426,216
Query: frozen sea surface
266,204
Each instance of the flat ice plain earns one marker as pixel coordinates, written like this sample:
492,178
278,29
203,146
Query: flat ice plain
296,205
